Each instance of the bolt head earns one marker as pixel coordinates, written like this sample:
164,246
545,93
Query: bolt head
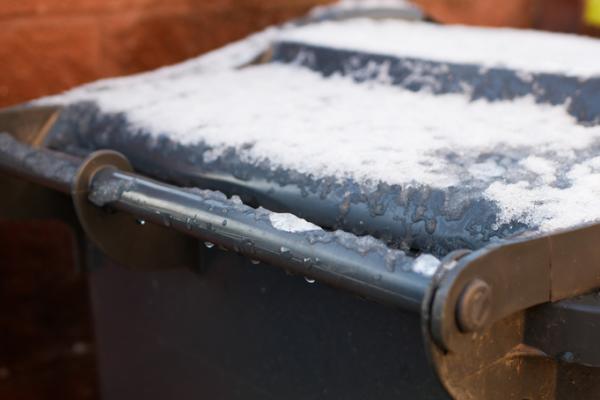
474,306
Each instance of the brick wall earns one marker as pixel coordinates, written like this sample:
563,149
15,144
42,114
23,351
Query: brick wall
47,46
552,15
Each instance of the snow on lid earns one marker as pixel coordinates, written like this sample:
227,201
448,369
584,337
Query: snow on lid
525,50
290,223
543,171
533,160
549,205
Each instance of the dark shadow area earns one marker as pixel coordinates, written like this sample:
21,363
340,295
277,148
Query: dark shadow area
47,349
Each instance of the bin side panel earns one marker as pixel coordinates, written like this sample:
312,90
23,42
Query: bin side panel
238,330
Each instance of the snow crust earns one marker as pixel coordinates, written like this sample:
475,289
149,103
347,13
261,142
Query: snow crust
290,223
296,119
550,206
525,50
426,264
534,161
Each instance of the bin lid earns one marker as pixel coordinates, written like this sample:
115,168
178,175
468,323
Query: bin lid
429,137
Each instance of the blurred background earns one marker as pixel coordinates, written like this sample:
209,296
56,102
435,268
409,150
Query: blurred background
47,46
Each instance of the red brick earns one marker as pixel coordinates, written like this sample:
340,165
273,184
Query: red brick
137,42
45,57
29,8
515,13
18,7
140,41
281,4
50,45
558,15
552,15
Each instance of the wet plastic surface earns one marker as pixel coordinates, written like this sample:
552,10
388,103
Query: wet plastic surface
414,218
241,331
491,84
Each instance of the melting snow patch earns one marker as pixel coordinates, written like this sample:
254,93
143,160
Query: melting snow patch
298,120
524,50
533,160
295,119
551,207
544,168
290,223
426,264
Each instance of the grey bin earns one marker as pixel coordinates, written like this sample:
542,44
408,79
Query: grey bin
198,294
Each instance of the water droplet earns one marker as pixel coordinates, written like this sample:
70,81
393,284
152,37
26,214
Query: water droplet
166,220
209,245
224,223
390,266
255,262
248,248
140,221
188,223
390,260
309,280
285,252
306,260
567,356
